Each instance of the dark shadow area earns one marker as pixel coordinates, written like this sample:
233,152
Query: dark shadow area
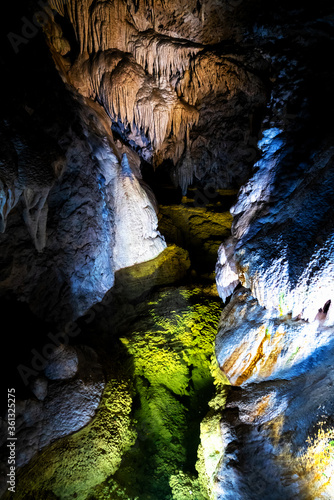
159,180
21,332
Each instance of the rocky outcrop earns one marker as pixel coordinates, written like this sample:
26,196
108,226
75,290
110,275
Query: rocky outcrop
151,76
86,223
275,339
65,397
171,266
252,345
282,235
199,229
276,429
64,469
275,420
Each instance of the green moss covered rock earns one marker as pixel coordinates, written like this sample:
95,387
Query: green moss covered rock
143,442
197,229
168,267
170,348
72,467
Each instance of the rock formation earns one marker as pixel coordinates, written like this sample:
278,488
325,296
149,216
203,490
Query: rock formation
275,337
72,219
152,80
145,144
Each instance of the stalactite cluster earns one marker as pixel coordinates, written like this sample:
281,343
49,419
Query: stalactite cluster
167,249
154,97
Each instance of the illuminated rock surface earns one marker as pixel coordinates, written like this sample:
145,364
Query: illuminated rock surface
275,339
127,128
284,240
196,228
66,467
169,267
100,220
278,433
159,380
64,399
151,76
137,238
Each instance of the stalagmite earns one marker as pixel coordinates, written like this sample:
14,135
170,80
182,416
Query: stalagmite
136,236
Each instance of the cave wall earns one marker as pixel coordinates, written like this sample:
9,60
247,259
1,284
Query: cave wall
73,206
207,94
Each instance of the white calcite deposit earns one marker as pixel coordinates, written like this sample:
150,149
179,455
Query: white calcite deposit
137,238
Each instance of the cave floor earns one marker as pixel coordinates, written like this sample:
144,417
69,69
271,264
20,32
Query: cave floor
154,334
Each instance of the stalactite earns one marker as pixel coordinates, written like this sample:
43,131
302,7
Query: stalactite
103,16
9,196
135,92
152,113
185,171
139,93
225,75
162,56
58,5
132,97
92,20
119,90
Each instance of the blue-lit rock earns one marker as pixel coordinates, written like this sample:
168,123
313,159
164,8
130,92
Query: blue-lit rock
94,219
62,363
283,233
66,400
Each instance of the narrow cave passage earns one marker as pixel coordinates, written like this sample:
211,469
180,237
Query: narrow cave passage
125,120
165,350
155,341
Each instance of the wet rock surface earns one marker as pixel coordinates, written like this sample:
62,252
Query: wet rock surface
199,229
89,222
199,94
64,398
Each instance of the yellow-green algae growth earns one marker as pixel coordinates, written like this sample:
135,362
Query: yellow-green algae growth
73,466
171,349
211,448
143,441
168,267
